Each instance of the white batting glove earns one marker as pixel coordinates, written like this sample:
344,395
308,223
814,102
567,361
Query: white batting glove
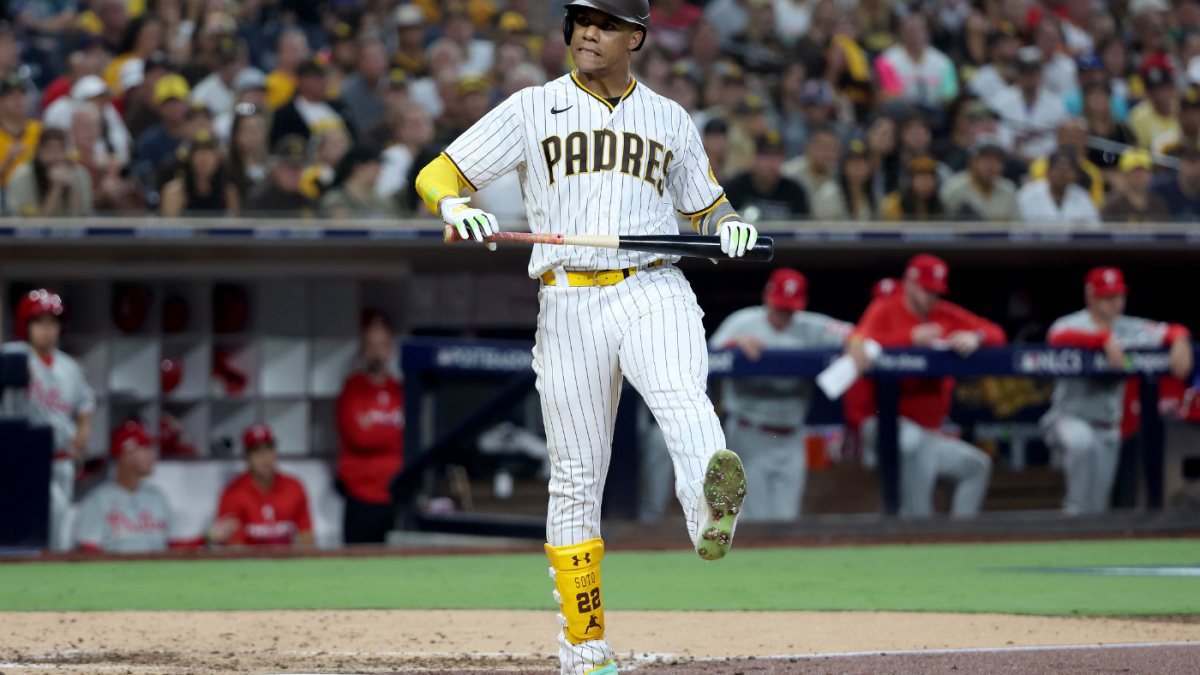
737,238
454,211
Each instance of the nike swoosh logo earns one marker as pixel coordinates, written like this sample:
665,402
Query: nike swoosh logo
555,111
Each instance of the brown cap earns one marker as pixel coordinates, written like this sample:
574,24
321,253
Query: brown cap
291,150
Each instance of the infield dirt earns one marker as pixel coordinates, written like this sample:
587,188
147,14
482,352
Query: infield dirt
373,641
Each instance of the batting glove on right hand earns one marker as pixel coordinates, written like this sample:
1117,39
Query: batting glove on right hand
455,212
737,238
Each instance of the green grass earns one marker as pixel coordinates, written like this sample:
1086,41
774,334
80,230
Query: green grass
956,578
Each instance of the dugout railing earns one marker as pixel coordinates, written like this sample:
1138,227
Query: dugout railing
428,362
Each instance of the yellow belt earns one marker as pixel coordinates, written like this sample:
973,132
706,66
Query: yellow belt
599,278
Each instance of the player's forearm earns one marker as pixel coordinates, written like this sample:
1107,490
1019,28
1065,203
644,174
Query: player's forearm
438,180
710,221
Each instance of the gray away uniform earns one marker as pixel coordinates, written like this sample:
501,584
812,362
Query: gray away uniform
765,415
116,520
1084,420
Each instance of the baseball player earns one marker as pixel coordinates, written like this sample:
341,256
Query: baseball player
58,396
126,515
599,153
765,415
262,506
919,317
1084,420
859,409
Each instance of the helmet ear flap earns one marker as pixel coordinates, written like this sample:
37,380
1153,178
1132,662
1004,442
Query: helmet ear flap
568,27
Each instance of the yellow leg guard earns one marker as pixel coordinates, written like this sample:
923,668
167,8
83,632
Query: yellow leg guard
577,578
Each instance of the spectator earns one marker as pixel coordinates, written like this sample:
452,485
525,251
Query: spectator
262,507
915,71
353,194
1188,133
1000,71
460,30
309,107
818,164
1134,202
765,416
850,197
86,58
246,164
127,515
162,140
716,148
249,89
920,200
115,139
1057,198
1181,189
58,396
916,140
727,18
672,23
414,131
919,317
330,143
763,193
280,193
1116,67
360,90
748,122
758,49
140,79
18,134
1097,114
52,185
1092,74
1159,113
980,192
1058,69
848,68
818,100
410,36
953,149
216,91
142,37
1072,135
201,186
881,151
113,187
290,52
1084,420
1029,113
370,412
471,98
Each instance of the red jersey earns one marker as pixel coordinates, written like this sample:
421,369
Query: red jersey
272,517
858,403
889,322
371,434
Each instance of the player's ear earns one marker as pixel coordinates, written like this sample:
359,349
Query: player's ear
636,38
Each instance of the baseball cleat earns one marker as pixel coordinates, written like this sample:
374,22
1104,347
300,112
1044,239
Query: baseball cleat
609,668
724,492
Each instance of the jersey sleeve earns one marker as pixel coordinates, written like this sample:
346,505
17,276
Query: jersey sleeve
690,180
229,508
492,147
963,319
826,331
877,325
89,526
86,404
730,328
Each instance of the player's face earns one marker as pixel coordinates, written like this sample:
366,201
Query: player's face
919,298
1107,308
43,332
261,462
377,348
601,42
141,460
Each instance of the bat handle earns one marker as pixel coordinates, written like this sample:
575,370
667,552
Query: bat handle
450,235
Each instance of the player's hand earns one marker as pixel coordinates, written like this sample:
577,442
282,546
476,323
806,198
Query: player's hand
924,334
737,238
223,529
858,351
751,345
455,212
1180,358
964,342
1114,353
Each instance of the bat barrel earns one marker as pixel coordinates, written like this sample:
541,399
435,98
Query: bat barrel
697,246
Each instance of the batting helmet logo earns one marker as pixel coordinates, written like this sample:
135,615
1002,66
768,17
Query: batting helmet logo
34,304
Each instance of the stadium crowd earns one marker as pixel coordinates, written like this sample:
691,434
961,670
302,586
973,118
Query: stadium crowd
1046,111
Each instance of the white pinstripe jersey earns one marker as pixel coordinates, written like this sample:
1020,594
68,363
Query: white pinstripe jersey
587,167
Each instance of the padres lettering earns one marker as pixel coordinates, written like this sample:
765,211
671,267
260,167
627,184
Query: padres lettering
633,148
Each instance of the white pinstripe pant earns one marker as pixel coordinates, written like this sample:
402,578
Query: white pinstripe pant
646,329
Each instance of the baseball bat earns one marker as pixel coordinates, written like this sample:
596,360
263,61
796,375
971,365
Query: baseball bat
687,245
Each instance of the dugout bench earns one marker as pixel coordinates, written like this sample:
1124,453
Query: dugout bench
430,362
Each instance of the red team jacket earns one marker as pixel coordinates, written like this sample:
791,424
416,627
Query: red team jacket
371,434
889,322
273,517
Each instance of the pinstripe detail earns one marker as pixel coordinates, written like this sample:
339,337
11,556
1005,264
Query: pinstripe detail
459,171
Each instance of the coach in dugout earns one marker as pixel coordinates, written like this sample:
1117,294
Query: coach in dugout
126,515
765,415
1084,420
57,396
919,317
370,419
262,506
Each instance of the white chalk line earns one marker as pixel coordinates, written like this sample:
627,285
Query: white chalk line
965,650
